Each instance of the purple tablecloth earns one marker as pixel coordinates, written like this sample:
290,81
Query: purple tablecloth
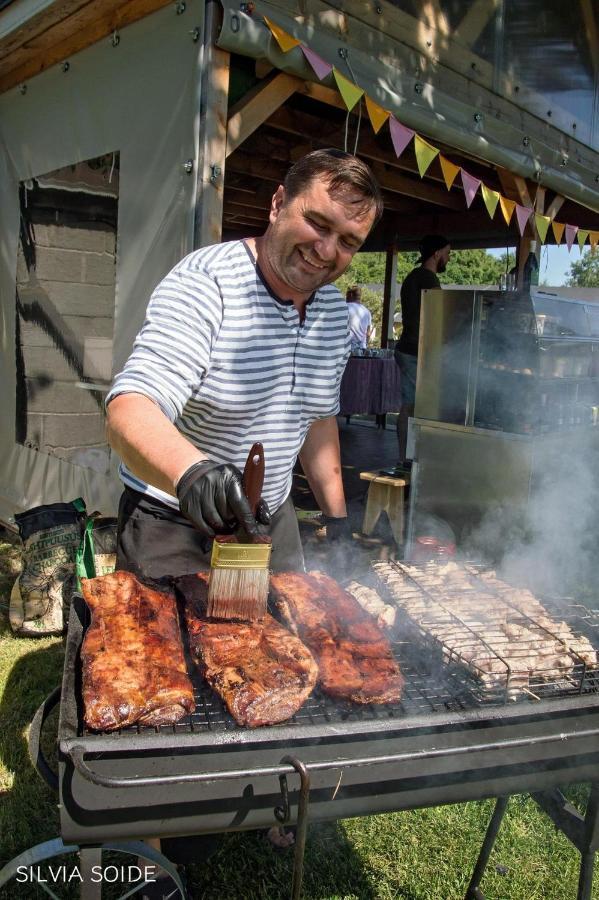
370,387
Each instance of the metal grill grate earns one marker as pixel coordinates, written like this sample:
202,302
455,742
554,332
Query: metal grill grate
512,645
436,679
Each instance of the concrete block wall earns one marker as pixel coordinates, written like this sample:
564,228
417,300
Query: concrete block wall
73,284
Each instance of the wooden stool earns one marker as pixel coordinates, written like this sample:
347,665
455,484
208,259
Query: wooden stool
386,492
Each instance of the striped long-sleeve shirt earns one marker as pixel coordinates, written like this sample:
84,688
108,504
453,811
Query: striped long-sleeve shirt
230,363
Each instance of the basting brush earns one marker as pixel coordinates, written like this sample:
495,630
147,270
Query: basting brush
239,572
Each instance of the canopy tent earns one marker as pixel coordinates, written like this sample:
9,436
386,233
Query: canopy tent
194,116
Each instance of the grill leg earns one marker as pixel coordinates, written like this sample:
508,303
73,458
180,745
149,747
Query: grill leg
302,825
90,856
474,892
591,845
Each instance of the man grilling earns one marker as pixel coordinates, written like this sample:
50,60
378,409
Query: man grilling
243,341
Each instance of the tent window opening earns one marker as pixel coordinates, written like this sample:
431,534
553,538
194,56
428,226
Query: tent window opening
65,299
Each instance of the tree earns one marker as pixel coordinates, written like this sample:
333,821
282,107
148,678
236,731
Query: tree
464,267
584,272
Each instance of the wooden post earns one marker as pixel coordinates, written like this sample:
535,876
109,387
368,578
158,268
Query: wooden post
214,97
389,294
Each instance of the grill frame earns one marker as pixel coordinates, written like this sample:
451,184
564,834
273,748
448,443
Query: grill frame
357,767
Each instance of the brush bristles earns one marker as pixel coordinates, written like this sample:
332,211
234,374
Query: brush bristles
238,593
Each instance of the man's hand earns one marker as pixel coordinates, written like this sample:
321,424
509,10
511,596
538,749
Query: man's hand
211,496
338,529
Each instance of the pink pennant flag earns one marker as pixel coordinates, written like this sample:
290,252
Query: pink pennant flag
320,66
471,185
400,135
523,214
570,235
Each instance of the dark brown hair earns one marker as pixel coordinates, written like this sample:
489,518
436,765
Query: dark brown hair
342,170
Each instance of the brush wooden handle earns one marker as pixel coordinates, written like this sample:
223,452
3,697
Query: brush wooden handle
253,475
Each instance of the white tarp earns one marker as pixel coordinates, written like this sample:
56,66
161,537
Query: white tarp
137,99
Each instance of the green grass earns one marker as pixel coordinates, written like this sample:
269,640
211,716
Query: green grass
419,855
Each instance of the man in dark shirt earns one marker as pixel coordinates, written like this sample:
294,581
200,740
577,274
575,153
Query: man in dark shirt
434,255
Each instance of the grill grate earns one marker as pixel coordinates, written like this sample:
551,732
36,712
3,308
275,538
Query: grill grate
511,643
436,680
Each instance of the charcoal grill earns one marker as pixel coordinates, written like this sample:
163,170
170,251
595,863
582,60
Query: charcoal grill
443,743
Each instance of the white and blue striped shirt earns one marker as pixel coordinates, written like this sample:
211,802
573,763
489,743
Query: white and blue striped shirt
230,363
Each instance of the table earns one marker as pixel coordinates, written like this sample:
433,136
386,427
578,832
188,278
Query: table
370,386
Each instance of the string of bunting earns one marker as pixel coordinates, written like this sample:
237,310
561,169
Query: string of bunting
425,152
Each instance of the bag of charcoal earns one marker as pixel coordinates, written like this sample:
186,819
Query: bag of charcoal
41,595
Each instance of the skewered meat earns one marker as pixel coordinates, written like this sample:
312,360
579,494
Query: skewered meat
262,671
504,636
354,656
372,603
132,654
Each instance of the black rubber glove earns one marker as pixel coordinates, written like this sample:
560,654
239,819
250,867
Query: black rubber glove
338,528
211,496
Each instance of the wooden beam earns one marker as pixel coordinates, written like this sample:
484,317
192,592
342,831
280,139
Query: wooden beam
213,136
388,174
92,23
38,23
591,30
389,295
514,187
555,206
253,109
475,21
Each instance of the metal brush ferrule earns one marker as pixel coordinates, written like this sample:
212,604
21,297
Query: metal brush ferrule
240,556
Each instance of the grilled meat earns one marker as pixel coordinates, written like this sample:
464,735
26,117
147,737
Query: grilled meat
372,603
132,654
262,671
354,656
504,636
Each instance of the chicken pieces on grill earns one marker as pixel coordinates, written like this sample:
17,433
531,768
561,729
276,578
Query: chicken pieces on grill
132,655
354,656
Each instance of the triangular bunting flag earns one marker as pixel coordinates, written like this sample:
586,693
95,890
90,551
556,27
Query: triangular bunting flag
377,115
321,67
542,223
593,238
285,41
558,231
449,171
491,199
348,90
471,185
425,153
400,135
581,238
523,214
507,208
570,235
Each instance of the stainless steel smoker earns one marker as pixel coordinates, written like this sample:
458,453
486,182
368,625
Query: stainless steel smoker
506,414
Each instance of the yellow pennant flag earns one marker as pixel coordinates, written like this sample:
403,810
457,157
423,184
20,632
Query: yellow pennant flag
425,153
593,238
449,170
581,237
507,208
558,231
348,90
285,41
378,116
542,223
491,199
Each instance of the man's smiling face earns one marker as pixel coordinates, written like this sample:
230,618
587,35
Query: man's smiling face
312,238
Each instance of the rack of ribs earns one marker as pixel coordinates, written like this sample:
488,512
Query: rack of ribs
262,672
354,657
132,655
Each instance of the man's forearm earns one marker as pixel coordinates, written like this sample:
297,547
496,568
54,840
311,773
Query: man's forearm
321,461
147,442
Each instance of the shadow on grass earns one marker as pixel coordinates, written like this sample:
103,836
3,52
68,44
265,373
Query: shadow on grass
28,811
247,866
